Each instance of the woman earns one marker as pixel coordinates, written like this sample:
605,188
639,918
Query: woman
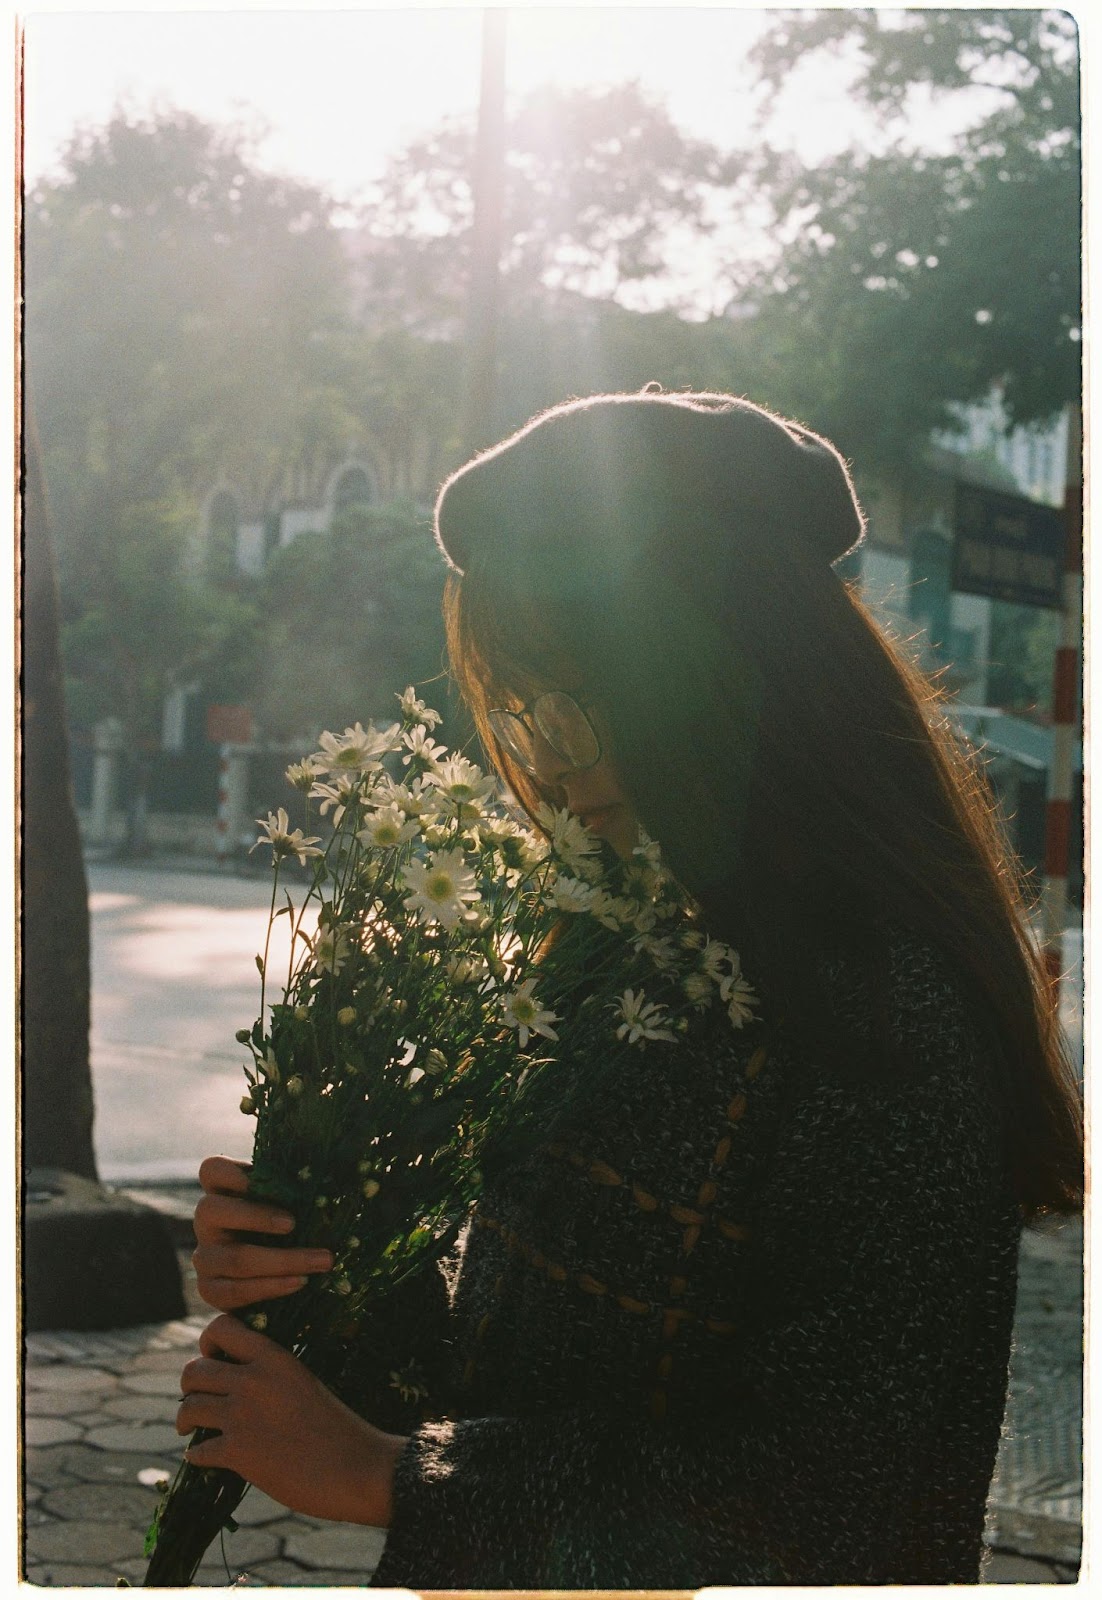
745,1319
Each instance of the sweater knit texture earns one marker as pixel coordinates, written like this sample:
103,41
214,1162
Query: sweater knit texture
743,1319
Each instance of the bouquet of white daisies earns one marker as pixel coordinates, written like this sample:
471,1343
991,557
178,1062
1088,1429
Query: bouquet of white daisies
446,958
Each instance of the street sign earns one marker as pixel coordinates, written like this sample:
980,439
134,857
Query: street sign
229,724
1007,547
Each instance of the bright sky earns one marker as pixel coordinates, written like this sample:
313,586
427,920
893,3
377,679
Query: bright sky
338,89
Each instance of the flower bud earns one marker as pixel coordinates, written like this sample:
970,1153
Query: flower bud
346,1016
295,1085
304,1174
248,1105
344,1286
243,1035
322,1201
258,1321
371,1189
301,1013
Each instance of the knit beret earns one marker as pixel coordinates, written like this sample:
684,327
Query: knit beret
646,468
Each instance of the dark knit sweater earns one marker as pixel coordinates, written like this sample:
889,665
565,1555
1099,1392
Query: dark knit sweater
746,1320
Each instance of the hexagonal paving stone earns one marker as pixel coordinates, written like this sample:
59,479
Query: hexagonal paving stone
257,1509
51,1430
102,1502
141,1407
167,1383
71,1380
162,1360
243,1548
69,1576
155,1437
45,1469
65,1463
340,1545
34,1516
81,1542
54,1403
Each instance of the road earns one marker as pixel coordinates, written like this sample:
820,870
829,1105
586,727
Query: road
173,979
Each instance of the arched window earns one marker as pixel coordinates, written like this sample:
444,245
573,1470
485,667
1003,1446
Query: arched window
352,488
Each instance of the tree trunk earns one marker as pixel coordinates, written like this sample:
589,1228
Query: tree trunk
57,1080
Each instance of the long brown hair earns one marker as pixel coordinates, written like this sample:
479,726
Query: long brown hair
800,773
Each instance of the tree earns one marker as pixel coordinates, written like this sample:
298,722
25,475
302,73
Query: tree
912,282
185,314
351,616
601,187
57,1080
185,319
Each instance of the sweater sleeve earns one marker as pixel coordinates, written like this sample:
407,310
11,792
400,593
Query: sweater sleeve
873,1304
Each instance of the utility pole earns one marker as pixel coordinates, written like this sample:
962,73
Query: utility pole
1065,700
479,422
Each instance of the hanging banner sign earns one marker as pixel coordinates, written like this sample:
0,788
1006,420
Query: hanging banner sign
1007,547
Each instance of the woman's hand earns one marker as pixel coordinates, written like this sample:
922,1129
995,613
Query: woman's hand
229,1272
283,1430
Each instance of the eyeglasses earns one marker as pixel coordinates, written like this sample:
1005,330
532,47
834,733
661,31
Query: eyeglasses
561,722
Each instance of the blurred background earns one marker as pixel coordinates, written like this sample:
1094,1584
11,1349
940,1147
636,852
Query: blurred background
284,270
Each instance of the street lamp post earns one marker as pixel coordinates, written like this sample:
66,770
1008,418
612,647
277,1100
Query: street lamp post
480,386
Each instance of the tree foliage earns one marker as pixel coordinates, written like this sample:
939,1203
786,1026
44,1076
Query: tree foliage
600,186
916,280
351,616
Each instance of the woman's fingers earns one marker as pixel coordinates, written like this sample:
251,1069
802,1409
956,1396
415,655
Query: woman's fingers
221,1175
230,1294
229,1336
258,1261
203,1375
218,1214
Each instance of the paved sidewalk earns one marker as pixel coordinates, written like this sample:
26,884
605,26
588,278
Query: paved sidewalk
99,1436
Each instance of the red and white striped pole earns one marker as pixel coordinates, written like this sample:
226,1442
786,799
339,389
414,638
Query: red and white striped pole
1061,784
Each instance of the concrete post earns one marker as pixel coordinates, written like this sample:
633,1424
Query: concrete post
107,747
233,798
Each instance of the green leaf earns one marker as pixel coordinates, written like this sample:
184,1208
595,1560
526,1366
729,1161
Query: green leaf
260,965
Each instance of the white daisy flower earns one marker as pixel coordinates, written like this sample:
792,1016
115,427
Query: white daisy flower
300,775
284,841
640,1019
571,842
416,798
339,795
459,782
357,750
698,988
330,949
441,888
465,969
610,911
715,956
421,749
414,710
660,951
522,1011
740,999
570,894
388,828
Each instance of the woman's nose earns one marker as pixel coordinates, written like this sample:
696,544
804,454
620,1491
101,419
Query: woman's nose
551,767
